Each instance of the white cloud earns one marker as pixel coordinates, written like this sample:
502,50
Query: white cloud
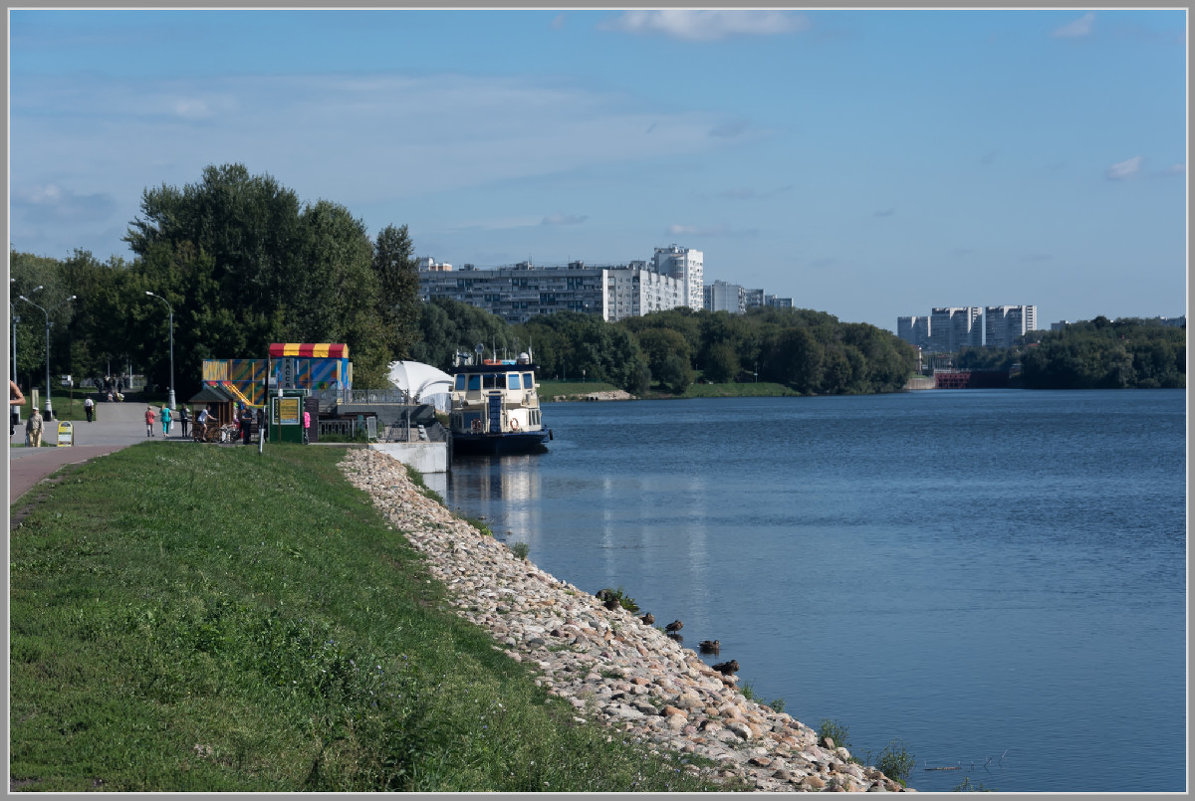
720,230
564,219
41,203
1124,170
357,138
707,26
1076,29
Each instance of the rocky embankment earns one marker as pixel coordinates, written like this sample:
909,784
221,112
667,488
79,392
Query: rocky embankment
610,395
607,663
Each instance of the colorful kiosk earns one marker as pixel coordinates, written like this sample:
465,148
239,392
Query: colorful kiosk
289,381
299,374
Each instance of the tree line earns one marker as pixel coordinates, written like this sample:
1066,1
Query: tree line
1129,352
243,262
807,351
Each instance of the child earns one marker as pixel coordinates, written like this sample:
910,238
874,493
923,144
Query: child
149,421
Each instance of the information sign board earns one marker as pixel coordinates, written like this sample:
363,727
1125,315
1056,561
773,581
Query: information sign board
66,433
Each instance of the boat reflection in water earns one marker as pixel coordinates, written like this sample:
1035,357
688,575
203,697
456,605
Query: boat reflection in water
500,491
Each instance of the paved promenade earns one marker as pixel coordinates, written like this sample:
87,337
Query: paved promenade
117,425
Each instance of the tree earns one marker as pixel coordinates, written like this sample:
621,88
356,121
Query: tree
397,272
722,363
795,359
660,345
675,374
244,263
447,326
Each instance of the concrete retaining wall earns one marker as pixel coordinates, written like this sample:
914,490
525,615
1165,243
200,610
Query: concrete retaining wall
426,457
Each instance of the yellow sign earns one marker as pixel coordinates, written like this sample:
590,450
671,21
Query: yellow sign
66,433
288,411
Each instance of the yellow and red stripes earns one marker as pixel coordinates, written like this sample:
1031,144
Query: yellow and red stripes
321,350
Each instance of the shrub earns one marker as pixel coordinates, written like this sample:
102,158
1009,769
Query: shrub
896,762
835,731
520,549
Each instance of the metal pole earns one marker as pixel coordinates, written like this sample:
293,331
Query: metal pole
49,411
15,320
171,308
49,407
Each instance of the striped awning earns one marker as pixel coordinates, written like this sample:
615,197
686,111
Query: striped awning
321,350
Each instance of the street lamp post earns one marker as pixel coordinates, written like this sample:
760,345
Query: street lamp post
171,308
15,319
49,407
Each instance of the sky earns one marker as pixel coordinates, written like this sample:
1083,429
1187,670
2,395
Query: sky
867,163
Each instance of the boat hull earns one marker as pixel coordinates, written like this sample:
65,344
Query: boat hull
469,444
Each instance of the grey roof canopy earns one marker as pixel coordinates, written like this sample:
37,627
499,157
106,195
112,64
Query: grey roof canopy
212,394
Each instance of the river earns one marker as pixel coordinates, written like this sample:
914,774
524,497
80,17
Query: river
996,578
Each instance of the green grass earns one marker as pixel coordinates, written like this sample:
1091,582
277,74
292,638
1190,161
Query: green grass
212,619
551,389
753,389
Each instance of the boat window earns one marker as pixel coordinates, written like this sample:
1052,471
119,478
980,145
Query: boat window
528,381
475,381
460,381
512,381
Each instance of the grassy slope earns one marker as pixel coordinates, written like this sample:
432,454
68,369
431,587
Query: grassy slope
205,618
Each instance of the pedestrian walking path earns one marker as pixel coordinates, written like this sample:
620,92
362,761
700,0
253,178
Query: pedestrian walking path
117,425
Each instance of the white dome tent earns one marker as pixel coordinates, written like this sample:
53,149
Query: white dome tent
424,383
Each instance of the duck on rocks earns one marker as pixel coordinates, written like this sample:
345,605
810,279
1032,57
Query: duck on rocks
648,619
709,646
727,668
674,627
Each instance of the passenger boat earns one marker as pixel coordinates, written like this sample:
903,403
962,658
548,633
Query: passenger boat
495,408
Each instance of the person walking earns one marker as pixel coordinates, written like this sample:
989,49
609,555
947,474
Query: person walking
184,419
149,421
33,429
16,399
201,422
165,421
306,427
89,408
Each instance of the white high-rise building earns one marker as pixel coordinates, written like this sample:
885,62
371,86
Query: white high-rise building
524,291
1004,325
686,265
953,328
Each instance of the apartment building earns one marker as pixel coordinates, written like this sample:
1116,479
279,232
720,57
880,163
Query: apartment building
524,291
687,265
736,299
723,296
914,330
952,328
1004,325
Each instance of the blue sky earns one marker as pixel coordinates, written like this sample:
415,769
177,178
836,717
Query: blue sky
871,164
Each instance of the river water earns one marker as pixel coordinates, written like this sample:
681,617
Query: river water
997,578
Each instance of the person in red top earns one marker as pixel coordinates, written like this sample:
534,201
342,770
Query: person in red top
149,421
